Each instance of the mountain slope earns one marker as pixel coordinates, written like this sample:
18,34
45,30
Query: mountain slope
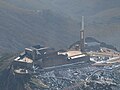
74,8
101,15
105,26
22,28
54,23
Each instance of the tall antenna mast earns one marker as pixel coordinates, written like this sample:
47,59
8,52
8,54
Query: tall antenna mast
82,38
83,25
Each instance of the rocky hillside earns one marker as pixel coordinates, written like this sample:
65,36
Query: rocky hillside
61,78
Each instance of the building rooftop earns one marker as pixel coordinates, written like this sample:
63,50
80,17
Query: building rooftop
25,59
73,53
21,71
